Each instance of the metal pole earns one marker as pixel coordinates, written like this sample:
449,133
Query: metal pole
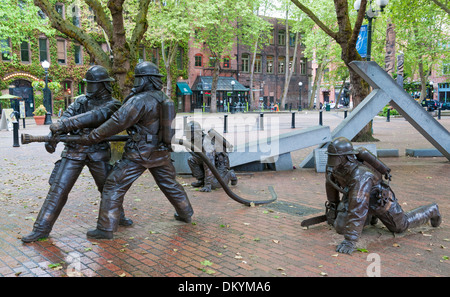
345,113
320,118
388,115
369,39
439,113
225,123
261,121
47,101
16,134
293,120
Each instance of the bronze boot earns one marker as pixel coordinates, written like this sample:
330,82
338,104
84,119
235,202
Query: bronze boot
423,214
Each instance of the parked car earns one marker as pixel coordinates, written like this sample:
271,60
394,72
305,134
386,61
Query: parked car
445,106
431,105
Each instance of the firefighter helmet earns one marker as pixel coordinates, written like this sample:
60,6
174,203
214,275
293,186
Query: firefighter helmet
146,68
341,146
96,74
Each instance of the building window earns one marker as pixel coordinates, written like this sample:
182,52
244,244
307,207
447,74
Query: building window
271,39
303,66
291,64
258,64
141,54
25,52
6,49
198,60
292,39
76,16
245,62
212,61
78,58
281,37
281,65
60,9
43,52
226,62
446,69
61,48
269,64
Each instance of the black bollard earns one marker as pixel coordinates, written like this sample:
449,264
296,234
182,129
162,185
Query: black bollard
225,123
16,134
261,121
388,115
345,114
48,119
293,120
439,113
320,118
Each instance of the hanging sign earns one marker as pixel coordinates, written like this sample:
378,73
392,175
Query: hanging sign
361,43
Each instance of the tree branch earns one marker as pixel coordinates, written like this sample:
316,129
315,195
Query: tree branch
442,6
102,19
358,23
141,24
72,31
316,20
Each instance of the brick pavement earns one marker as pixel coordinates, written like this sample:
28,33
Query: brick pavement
226,239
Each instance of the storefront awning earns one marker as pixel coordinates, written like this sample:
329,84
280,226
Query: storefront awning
183,89
203,83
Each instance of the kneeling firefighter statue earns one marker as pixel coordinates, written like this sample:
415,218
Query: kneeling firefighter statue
214,146
358,175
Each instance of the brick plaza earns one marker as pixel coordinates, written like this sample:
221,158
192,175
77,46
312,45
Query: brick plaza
226,239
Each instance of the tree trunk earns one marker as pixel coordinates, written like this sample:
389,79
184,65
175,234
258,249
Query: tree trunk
346,37
253,101
423,82
315,92
215,81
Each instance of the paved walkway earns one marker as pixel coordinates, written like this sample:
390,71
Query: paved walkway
226,239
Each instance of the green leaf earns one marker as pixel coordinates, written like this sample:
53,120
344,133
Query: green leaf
206,263
362,250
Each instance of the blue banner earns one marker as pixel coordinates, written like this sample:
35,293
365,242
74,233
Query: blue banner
361,43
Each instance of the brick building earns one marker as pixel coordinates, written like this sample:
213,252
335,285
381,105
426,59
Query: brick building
268,80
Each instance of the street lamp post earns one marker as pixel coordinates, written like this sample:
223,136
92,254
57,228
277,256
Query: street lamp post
300,84
47,95
371,14
232,96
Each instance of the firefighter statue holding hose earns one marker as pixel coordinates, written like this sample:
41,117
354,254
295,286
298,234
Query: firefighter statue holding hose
86,113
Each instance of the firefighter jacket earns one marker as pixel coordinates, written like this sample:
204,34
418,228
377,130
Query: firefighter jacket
140,115
80,118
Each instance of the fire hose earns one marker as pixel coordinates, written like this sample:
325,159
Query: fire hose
27,138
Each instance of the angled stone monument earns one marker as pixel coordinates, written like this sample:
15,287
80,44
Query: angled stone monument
386,90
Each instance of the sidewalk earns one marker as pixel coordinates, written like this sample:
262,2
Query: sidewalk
226,239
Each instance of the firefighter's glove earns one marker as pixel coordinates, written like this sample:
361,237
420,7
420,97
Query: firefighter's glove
58,128
346,247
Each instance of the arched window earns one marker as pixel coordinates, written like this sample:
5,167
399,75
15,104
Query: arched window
198,60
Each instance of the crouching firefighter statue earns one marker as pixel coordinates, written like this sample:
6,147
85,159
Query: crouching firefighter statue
86,113
215,148
363,181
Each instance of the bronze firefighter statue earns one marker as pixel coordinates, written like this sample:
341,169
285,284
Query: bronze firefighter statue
86,113
363,181
214,146
146,114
